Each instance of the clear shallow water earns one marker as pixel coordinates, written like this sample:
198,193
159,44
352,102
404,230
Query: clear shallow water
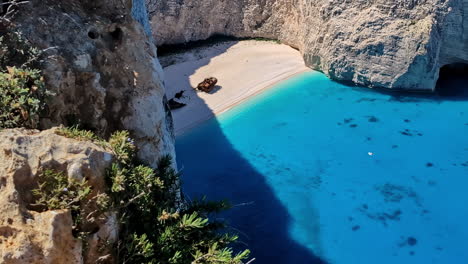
296,161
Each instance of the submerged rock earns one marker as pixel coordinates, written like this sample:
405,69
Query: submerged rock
373,119
412,241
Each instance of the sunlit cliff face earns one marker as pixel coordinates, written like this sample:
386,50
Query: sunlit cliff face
389,44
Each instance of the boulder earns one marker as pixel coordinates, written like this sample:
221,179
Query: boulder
32,236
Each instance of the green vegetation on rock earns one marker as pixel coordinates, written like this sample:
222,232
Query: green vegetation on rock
22,88
156,225
57,192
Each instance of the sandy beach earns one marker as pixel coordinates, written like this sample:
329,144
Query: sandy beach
242,68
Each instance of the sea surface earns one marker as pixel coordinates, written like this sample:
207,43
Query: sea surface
320,172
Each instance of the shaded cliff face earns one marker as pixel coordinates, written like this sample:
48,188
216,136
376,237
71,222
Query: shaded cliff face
455,34
103,69
379,43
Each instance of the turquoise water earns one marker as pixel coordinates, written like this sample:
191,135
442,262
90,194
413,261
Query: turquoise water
325,173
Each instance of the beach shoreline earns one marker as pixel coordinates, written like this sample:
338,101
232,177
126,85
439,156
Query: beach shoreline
244,69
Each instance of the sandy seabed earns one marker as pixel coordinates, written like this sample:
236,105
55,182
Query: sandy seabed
243,69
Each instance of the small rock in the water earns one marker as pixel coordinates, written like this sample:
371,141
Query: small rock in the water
405,133
356,227
429,164
394,146
373,119
407,120
410,133
412,241
353,125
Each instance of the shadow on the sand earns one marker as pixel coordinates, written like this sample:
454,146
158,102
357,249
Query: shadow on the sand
213,167
215,89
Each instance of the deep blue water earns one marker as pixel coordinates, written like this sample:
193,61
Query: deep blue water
325,173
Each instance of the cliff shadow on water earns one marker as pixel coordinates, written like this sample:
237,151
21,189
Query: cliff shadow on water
212,166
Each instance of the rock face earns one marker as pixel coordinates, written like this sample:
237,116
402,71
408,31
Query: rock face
377,43
28,236
103,69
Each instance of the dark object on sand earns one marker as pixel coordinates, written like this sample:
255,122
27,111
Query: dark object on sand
207,85
179,94
173,104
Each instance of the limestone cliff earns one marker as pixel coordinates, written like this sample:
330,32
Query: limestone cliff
377,43
102,67
100,62
31,236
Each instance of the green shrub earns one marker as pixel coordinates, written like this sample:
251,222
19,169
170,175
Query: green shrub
15,51
22,88
82,135
22,94
56,191
154,227
123,147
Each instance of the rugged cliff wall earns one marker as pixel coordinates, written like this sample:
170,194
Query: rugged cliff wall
455,34
100,62
102,67
377,43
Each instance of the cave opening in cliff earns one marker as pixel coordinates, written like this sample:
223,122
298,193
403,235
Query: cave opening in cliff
167,49
453,80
